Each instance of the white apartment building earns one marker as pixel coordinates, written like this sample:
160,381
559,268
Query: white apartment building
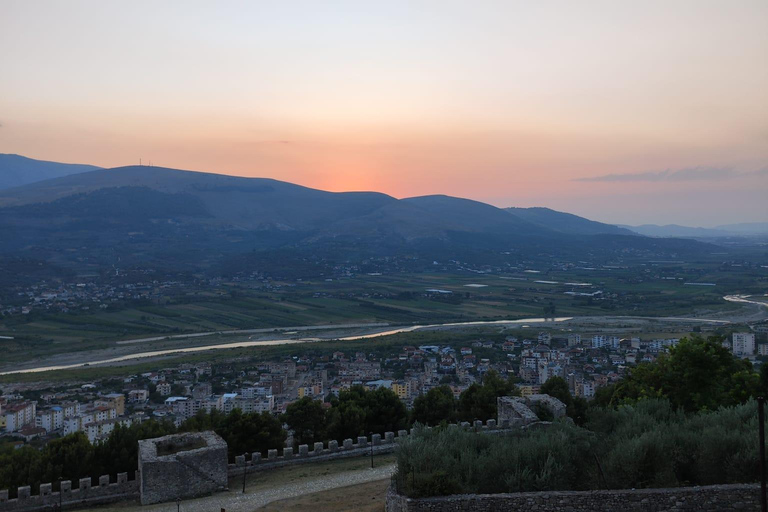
743,344
18,415
50,419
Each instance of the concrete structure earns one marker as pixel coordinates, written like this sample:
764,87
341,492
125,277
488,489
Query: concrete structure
182,466
19,414
743,344
715,498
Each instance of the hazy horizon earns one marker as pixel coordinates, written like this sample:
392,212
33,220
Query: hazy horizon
652,112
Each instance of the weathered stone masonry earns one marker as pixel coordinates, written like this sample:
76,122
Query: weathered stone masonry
714,498
185,473
85,495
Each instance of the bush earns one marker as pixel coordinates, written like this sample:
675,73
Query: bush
648,444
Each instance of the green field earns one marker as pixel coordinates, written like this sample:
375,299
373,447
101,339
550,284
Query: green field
398,299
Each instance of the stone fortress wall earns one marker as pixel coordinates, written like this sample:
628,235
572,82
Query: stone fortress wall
124,489
85,495
204,467
713,498
182,466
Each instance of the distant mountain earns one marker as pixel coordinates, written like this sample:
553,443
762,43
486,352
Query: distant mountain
674,230
16,170
566,222
747,228
170,218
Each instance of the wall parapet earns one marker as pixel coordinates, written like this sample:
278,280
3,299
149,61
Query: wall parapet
122,489
332,450
712,498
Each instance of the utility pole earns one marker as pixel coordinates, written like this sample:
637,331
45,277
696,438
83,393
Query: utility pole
761,418
370,434
245,470
61,502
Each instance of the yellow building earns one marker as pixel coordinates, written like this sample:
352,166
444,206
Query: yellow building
529,390
402,389
113,401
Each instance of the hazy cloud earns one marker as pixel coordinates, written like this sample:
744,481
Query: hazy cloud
687,174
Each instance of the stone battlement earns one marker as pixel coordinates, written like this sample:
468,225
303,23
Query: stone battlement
85,495
202,457
333,450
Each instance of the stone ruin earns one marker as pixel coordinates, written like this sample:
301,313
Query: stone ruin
516,412
182,466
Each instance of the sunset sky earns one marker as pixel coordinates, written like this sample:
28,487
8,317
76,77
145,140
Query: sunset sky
623,111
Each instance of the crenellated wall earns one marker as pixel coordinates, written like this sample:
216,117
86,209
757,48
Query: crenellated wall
332,450
85,495
123,489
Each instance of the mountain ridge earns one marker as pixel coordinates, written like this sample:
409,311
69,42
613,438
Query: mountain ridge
139,215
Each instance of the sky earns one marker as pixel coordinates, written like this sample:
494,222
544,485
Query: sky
624,112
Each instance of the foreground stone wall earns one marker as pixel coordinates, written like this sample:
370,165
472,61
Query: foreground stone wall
715,498
85,495
185,474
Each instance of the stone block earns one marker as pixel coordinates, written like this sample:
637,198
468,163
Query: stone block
552,404
318,448
104,481
23,493
85,484
66,487
303,450
362,441
348,444
272,454
402,433
122,478
491,424
333,446
4,496
376,439
478,425
465,425
240,460
255,457
389,437
288,452
46,489
515,411
182,466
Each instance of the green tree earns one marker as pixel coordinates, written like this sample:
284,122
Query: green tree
307,419
478,401
434,407
558,388
358,411
253,432
696,374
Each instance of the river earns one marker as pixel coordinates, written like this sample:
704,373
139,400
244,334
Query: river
290,341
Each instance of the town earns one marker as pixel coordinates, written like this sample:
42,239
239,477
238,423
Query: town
585,362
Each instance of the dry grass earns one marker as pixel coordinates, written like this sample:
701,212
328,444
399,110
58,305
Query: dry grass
368,497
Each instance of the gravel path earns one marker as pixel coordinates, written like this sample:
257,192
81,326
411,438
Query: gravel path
234,501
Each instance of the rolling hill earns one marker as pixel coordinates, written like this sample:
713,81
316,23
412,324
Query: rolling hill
141,215
566,222
17,170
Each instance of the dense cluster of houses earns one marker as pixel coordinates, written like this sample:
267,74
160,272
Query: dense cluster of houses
176,394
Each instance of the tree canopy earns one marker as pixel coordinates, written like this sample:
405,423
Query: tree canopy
697,374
